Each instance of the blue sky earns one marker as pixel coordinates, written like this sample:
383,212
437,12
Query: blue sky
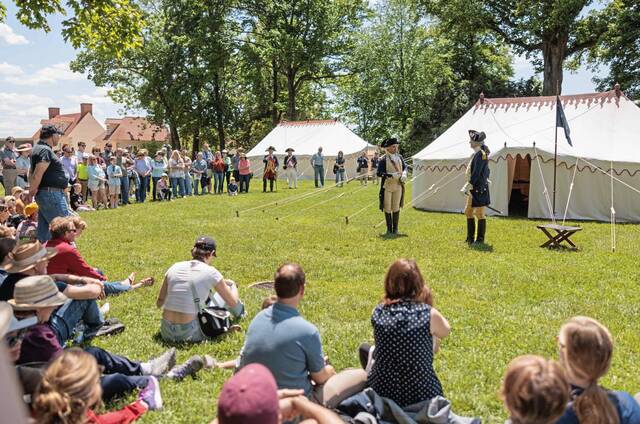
34,75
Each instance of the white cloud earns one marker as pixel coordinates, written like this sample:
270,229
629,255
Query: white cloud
20,114
8,36
99,96
9,70
48,75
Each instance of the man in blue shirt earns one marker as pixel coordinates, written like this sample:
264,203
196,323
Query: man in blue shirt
317,162
280,339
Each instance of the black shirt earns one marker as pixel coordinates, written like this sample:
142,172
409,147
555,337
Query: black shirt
9,283
54,174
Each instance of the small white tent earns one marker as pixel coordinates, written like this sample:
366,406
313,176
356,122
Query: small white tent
605,131
305,137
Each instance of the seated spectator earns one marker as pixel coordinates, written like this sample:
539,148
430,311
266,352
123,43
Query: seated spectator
186,280
164,192
70,390
7,244
405,325
18,192
534,390
27,230
69,261
251,397
290,347
7,232
10,202
77,200
586,350
233,187
4,212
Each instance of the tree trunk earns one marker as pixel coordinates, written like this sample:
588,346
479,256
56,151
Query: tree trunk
292,113
175,137
276,93
195,148
553,53
219,111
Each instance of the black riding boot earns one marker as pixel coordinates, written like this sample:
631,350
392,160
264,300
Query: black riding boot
482,228
271,185
471,229
389,219
396,218
264,185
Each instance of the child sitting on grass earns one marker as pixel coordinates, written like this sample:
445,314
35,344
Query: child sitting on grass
76,200
233,187
26,232
164,192
10,202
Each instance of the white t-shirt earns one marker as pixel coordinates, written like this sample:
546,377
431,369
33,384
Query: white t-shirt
179,295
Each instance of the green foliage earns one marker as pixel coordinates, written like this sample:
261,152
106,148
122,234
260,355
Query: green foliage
501,303
105,25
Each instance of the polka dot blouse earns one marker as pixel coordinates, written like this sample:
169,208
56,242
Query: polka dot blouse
403,368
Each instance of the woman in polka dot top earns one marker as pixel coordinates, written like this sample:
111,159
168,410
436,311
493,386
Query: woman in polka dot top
405,325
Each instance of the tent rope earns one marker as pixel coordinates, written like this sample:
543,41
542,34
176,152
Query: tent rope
566,209
544,184
339,195
613,212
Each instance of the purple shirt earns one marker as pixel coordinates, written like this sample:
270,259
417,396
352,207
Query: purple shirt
39,345
143,166
70,166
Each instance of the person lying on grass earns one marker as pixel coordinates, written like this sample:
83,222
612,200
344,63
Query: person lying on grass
251,396
534,390
407,329
586,350
68,260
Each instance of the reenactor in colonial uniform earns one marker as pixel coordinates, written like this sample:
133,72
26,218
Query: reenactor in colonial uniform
393,171
477,187
291,168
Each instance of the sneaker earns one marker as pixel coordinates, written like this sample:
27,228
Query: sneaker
189,368
163,363
110,327
151,394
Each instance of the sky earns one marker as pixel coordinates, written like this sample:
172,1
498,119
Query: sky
35,75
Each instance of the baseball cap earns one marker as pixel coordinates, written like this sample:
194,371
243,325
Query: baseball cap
48,130
249,397
205,243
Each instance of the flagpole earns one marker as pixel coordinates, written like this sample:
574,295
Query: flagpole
555,152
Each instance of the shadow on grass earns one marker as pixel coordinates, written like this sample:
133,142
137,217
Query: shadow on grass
386,236
157,337
481,247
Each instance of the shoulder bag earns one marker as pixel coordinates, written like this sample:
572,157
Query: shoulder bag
213,320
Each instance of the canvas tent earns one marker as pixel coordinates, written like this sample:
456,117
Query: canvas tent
605,130
305,137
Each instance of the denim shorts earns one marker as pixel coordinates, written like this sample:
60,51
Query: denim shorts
189,332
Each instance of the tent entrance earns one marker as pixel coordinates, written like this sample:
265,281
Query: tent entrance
520,172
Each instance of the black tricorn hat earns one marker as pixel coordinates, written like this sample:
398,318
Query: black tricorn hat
389,142
270,148
289,149
477,136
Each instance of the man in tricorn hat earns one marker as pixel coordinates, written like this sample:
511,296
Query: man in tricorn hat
270,169
393,171
477,187
291,168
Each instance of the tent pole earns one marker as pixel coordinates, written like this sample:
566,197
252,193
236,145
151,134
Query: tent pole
555,158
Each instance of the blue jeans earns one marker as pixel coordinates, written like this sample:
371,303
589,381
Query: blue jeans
340,177
176,333
69,315
51,204
121,374
177,185
118,385
154,189
188,185
114,289
142,189
244,183
218,180
318,174
124,190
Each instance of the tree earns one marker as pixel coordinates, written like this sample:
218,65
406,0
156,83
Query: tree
620,50
547,31
108,25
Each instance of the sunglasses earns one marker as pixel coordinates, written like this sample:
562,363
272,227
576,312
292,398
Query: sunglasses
14,339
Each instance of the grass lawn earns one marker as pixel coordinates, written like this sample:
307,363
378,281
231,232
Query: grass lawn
502,302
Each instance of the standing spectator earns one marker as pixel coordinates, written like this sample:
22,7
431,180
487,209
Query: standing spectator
70,164
244,171
81,151
122,162
235,161
83,175
406,329
107,153
176,174
47,181
207,155
99,159
317,162
97,180
338,168
143,168
291,168
228,167
22,165
374,166
9,172
188,177
218,173
363,168
199,169
158,167
114,173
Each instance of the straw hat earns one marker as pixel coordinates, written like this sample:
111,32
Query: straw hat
37,291
27,255
9,323
25,147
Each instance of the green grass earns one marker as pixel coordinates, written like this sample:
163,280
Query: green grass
501,303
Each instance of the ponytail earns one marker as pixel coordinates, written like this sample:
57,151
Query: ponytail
485,149
594,407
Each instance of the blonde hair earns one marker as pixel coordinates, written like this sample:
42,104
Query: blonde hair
78,222
586,349
70,386
534,390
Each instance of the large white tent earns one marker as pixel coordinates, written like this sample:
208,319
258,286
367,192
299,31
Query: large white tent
597,179
305,137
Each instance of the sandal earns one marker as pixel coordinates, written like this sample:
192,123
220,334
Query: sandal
130,280
147,282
